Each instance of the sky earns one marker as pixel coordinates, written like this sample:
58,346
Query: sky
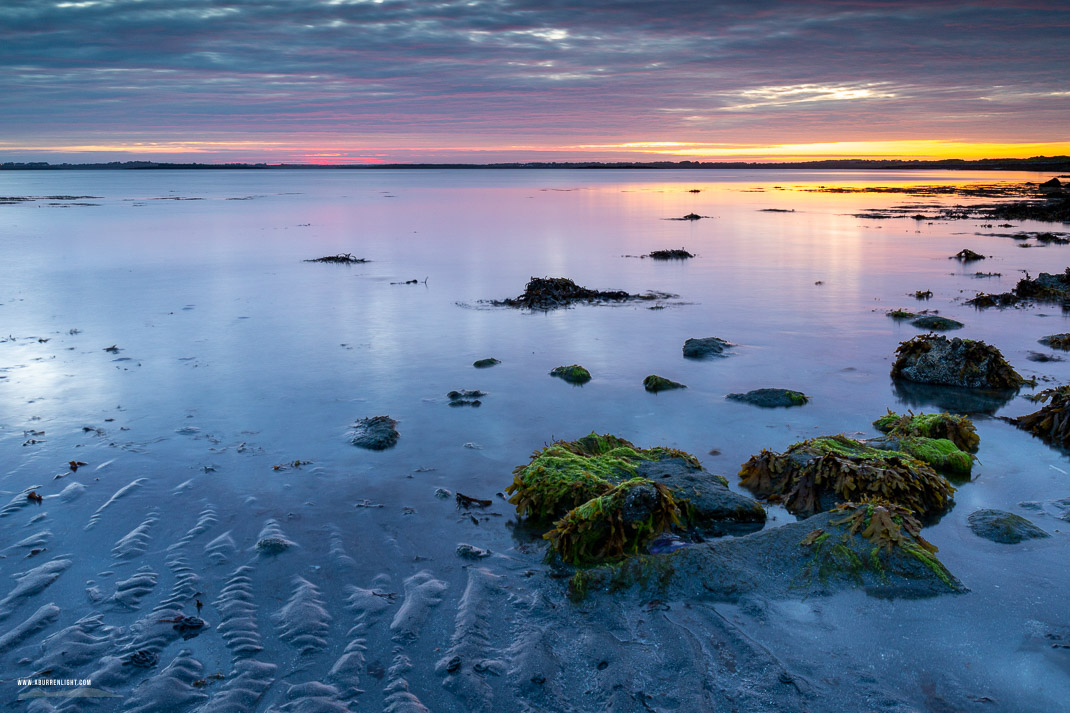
482,81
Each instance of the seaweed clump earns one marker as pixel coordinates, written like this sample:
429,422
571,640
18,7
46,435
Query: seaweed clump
680,254
957,429
616,523
934,359
812,476
1056,341
1046,287
340,258
1051,423
891,543
546,293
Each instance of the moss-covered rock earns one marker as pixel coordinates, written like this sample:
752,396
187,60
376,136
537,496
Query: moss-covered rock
814,475
771,398
1057,341
957,429
614,524
940,453
935,359
900,314
582,484
573,374
655,383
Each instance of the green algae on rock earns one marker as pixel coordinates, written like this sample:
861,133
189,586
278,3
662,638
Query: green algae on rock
655,383
940,453
957,429
935,359
814,475
900,314
935,321
573,374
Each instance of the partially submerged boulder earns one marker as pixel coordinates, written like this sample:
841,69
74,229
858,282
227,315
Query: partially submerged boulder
967,255
1057,341
957,429
705,347
466,397
934,359
546,293
771,398
609,498
377,433
1047,287
1051,423
1003,527
935,321
679,254
486,363
814,475
872,545
573,374
655,383
940,453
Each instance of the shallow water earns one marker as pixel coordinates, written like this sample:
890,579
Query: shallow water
237,356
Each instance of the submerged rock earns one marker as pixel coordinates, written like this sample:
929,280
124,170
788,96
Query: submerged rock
815,475
900,314
655,383
472,552
934,359
486,363
771,398
1045,288
1003,527
940,324
967,255
609,499
546,293
466,397
573,374
705,347
342,258
874,545
376,433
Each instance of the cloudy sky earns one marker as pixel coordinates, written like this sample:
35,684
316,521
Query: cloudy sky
362,81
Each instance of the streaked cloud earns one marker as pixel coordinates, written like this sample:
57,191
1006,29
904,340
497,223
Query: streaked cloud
422,79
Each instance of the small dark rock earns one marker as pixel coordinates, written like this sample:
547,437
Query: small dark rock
486,363
655,383
1003,527
680,254
967,255
573,374
1057,341
705,347
472,552
376,433
466,398
940,324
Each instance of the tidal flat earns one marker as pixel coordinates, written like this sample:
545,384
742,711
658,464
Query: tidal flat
188,360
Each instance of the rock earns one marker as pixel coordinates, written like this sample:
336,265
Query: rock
486,363
967,255
814,475
940,324
376,434
443,494
957,429
273,545
712,507
900,314
1052,186
934,359
705,348
1057,341
771,398
655,383
1003,527
940,454
573,374
826,553
689,216
1045,288
1042,358
472,552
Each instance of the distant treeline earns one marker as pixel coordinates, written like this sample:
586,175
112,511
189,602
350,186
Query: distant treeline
1037,163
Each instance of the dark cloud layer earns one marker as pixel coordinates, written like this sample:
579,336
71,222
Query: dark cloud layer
442,76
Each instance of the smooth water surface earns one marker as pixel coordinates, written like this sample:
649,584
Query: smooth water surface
237,356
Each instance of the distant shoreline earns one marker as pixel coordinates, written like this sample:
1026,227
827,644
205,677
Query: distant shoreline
1044,164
